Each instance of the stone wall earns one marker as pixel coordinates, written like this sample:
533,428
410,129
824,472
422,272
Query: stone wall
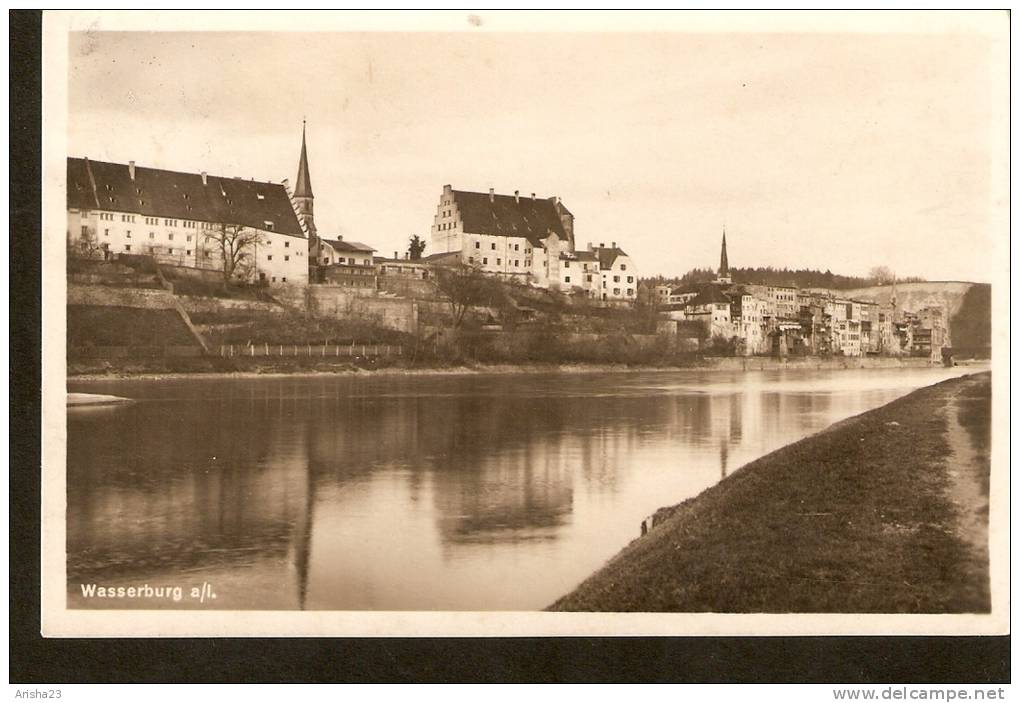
391,313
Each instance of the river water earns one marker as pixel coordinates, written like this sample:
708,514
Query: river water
472,492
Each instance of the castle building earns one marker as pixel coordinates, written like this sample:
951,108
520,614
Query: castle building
528,239
185,219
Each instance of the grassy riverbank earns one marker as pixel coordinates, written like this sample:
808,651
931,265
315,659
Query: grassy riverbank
883,512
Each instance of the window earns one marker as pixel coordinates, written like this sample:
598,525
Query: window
189,237
188,252
129,234
169,250
478,245
517,262
269,226
84,230
283,279
623,267
616,279
286,244
493,246
171,235
630,291
616,291
152,235
286,258
106,233
566,264
499,262
517,247
630,279
566,279
127,247
260,196
269,258
588,278
274,279
471,259
485,261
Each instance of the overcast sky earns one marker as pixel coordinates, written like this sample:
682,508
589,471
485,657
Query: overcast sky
828,151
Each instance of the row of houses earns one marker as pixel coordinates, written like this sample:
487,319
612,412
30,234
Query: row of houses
781,320
264,232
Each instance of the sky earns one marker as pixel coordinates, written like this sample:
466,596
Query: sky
827,151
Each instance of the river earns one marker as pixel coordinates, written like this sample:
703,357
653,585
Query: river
469,492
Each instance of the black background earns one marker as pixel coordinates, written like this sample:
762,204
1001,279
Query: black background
34,659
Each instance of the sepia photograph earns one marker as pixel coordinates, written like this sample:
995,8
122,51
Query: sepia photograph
524,323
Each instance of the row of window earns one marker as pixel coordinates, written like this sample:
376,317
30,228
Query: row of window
492,246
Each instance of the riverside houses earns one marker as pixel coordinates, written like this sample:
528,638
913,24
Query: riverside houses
174,217
530,240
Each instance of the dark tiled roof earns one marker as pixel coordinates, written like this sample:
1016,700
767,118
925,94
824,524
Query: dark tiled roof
505,216
442,258
710,294
341,245
608,255
581,255
100,185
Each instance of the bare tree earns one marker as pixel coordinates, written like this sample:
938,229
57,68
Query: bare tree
881,275
87,246
467,287
236,245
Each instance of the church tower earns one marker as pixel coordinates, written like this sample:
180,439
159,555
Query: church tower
303,198
724,264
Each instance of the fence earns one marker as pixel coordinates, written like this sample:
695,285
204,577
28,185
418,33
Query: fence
312,350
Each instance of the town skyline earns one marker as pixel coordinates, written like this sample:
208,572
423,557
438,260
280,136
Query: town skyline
742,136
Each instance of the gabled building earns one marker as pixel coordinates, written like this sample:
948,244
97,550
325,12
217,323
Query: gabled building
619,277
530,240
178,218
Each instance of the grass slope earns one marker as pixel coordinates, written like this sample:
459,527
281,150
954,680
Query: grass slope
854,519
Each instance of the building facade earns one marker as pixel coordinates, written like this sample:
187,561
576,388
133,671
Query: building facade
186,219
530,240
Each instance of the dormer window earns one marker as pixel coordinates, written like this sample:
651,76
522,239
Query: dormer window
260,196
269,226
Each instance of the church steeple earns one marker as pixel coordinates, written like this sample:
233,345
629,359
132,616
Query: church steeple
303,188
303,199
724,263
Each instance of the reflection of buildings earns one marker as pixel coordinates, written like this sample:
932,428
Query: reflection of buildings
311,483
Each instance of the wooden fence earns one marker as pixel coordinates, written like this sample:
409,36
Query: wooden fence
365,351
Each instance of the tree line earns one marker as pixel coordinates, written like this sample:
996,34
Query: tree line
797,278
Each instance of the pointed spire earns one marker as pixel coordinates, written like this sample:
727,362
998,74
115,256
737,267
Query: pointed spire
724,264
303,187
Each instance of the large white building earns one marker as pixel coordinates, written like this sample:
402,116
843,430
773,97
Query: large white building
175,216
528,239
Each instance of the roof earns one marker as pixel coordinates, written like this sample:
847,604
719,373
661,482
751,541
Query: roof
303,188
442,258
509,216
608,255
581,255
710,294
101,185
341,245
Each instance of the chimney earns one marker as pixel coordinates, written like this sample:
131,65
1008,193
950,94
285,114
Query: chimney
602,245
131,169
532,196
614,245
557,200
492,195
396,255
590,247
205,178
517,196
447,188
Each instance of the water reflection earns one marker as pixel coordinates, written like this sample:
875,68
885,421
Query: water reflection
413,492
